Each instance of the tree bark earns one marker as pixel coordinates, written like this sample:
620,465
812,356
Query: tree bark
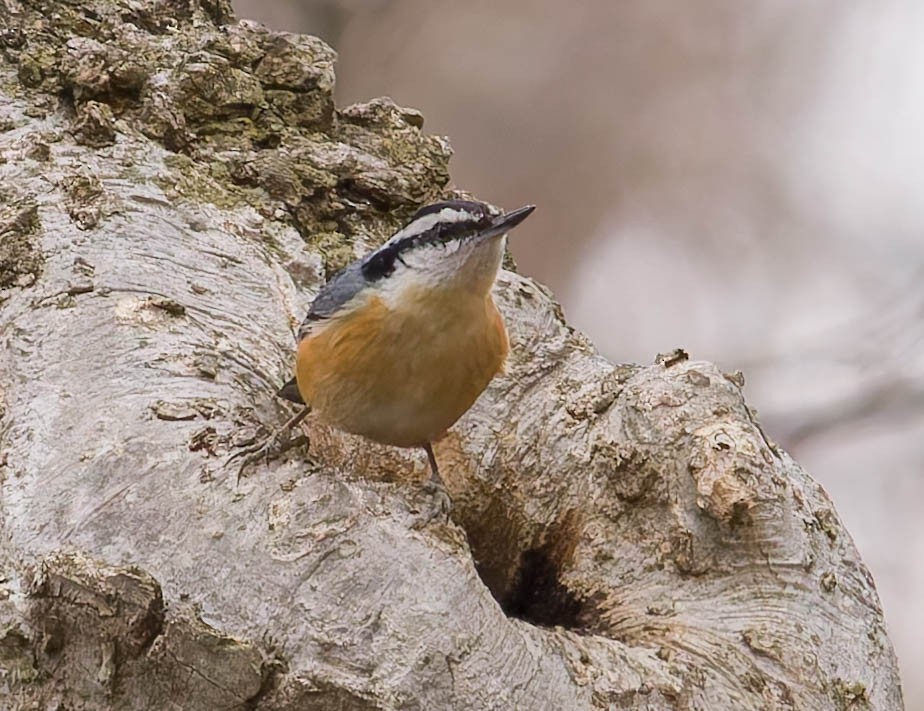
176,185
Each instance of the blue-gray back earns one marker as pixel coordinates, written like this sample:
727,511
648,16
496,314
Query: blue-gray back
342,287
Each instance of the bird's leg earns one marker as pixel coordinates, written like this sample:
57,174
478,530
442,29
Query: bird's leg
271,446
441,503
434,467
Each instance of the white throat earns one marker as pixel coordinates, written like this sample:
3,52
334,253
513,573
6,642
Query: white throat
468,265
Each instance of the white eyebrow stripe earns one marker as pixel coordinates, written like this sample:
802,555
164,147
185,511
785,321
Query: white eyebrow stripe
422,224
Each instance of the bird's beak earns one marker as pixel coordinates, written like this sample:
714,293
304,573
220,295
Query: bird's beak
504,223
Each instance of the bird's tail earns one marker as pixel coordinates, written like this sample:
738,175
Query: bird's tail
289,392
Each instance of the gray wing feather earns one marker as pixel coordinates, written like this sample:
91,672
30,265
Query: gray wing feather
333,296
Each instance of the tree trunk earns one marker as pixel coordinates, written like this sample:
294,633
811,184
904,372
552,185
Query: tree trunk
175,187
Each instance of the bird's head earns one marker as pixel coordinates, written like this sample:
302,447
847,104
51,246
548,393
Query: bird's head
455,244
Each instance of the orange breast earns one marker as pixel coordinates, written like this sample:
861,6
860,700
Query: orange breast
403,377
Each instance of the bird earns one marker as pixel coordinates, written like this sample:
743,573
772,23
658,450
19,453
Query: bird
398,345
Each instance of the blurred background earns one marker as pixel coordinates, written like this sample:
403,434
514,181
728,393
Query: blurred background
745,180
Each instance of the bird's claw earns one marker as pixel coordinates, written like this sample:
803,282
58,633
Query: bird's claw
438,507
263,450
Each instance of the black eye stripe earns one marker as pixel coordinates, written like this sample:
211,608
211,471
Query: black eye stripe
381,264
444,232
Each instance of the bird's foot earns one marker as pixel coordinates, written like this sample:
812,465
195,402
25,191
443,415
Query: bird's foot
266,449
438,506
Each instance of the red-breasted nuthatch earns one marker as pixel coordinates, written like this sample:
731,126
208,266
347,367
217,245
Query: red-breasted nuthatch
400,344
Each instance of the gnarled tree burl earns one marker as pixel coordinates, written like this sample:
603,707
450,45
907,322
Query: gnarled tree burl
174,187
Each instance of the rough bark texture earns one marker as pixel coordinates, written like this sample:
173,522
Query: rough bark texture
175,186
